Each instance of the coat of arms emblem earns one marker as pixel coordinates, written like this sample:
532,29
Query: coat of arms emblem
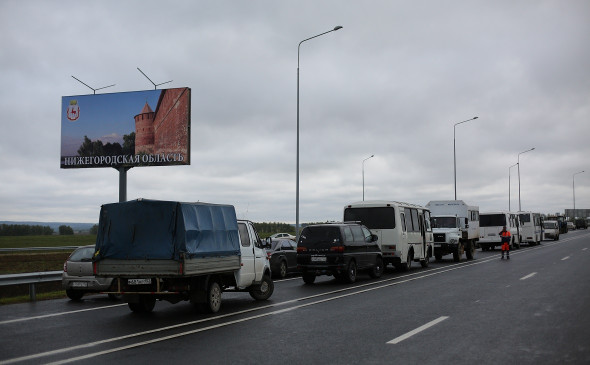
73,111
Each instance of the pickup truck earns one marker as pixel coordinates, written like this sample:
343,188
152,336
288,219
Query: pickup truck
175,251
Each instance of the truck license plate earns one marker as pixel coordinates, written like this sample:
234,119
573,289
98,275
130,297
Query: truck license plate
318,259
139,281
79,284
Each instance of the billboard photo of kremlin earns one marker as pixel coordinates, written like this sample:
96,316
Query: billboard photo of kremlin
141,128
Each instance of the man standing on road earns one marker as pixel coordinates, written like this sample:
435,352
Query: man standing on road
505,243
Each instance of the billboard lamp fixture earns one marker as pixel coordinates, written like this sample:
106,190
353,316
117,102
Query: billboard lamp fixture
93,89
155,86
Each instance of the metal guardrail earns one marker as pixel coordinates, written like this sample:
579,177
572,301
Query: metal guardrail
57,248
31,278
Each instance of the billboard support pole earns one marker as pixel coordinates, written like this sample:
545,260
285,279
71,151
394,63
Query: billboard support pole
123,183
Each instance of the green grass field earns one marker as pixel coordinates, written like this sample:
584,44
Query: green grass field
35,261
46,241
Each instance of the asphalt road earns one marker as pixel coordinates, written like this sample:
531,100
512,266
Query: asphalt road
532,309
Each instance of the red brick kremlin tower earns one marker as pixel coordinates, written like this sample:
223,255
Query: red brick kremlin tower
144,131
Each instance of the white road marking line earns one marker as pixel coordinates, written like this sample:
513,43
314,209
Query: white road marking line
585,248
565,258
407,278
419,275
417,330
528,276
59,314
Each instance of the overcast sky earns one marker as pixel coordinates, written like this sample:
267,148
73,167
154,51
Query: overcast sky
392,82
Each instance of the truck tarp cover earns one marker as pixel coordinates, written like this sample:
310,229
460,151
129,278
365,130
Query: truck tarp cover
151,229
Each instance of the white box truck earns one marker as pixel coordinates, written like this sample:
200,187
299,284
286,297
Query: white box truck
455,227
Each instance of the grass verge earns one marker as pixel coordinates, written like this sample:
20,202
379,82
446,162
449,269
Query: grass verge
40,296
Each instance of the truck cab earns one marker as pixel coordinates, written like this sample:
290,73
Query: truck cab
455,227
253,256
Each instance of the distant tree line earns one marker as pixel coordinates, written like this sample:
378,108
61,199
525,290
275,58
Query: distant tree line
274,227
25,230
97,148
65,230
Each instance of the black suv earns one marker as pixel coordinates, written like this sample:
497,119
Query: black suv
338,249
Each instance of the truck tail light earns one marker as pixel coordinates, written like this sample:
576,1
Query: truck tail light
94,268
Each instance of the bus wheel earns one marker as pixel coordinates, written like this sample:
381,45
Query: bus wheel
424,262
408,264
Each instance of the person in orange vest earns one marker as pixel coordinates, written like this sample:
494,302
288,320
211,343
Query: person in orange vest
505,235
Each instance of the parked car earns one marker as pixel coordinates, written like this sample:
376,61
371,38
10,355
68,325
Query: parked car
282,254
283,236
571,226
78,277
551,229
338,249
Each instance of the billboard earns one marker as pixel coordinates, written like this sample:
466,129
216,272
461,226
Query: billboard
140,128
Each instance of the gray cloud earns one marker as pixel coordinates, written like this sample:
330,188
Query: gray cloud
392,83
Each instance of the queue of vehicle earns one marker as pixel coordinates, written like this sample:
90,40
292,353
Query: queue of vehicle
149,250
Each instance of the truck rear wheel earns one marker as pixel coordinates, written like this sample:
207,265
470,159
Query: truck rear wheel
213,299
308,278
145,304
264,290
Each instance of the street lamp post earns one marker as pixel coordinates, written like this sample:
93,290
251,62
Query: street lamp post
297,177
509,185
455,154
518,164
364,175
574,190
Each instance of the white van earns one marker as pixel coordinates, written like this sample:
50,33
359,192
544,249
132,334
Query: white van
531,228
490,226
551,230
403,230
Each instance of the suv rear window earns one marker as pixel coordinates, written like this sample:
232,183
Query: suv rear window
319,235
